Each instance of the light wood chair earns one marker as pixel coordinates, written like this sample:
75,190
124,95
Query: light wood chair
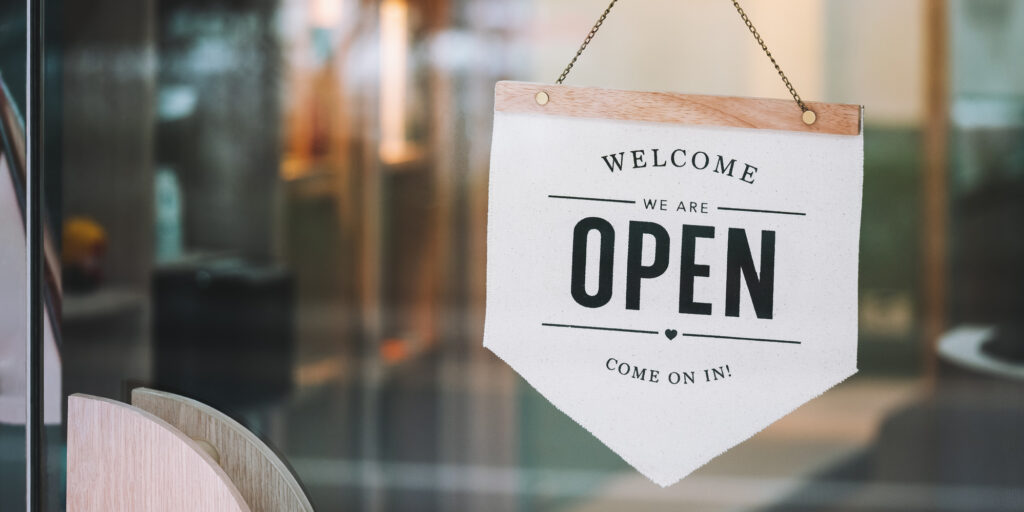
169,453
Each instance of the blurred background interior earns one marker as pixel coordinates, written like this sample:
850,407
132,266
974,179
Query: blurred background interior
278,207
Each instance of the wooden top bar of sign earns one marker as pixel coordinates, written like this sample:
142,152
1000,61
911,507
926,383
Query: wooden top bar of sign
667,107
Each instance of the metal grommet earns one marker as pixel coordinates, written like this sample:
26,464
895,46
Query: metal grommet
542,98
809,117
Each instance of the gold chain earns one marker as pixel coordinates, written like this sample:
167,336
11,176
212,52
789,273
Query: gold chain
586,41
746,20
750,26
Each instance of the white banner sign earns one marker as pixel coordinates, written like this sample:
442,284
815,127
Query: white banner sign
671,281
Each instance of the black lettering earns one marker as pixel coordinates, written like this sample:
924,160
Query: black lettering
673,158
707,160
690,270
740,261
635,269
720,164
748,174
579,262
615,163
638,158
655,164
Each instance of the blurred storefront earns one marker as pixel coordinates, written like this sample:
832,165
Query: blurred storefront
279,208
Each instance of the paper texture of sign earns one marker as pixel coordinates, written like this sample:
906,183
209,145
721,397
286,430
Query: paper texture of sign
673,288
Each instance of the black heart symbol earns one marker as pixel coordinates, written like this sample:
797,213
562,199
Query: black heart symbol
670,333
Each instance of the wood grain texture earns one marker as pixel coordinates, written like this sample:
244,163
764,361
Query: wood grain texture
666,107
934,276
122,459
260,476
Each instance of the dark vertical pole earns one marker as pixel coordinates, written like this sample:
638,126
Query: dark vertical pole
35,454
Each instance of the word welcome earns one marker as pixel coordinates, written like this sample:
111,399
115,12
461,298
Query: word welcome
739,262
678,158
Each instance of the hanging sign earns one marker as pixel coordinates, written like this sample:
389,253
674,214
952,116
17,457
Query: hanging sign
673,272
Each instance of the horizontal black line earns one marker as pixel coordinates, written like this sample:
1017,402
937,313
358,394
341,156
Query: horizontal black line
759,211
593,199
692,335
599,328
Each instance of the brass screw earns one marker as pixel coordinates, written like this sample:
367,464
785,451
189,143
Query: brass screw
809,117
542,98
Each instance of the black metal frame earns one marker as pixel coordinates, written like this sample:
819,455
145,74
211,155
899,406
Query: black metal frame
35,476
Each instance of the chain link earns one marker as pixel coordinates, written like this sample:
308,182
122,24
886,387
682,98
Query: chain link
757,36
746,21
586,41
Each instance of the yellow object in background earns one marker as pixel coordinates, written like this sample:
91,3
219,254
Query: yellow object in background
84,243
83,238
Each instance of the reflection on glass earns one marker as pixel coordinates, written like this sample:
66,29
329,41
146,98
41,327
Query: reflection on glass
394,52
293,197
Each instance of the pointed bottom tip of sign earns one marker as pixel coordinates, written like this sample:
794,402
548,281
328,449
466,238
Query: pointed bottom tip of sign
663,476
667,481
